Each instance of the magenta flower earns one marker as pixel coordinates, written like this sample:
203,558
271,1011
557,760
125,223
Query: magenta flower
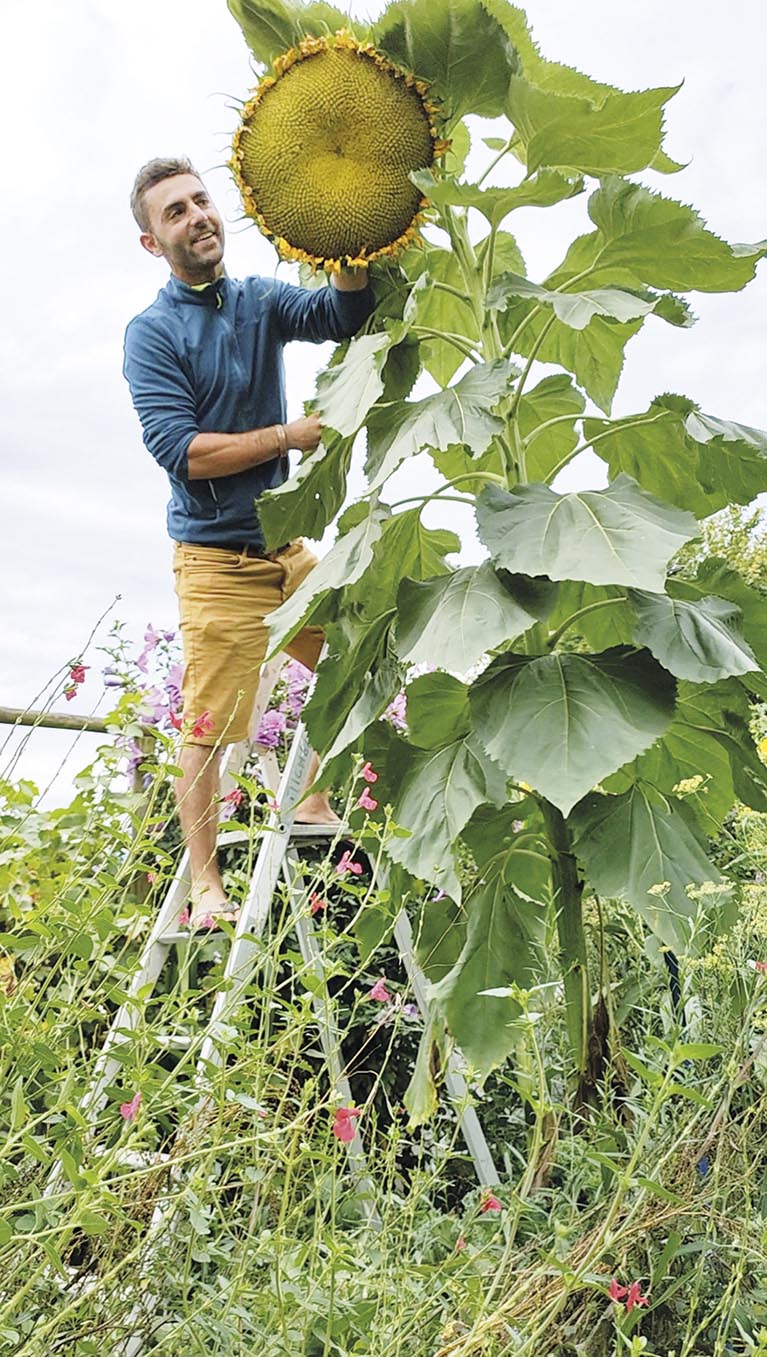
203,725
175,720
369,773
615,1291
316,903
70,692
635,1297
343,1123
77,672
128,1110
379,992
367,802
346,865
491,1203
184,916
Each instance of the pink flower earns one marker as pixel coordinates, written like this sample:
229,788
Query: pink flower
175,720
379,992
460,1244
128,1110
151,878
346,865
491,1203
207,921
317,903
203,725
635,1297
343,1123
761,966
615,1291
439,896
184,915
235,797
368,773
77,672
70,692
367,802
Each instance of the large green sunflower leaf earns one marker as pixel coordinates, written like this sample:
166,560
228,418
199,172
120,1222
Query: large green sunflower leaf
453,620
715,576
574,309
709,739
553,398
548,75
439,788
594,355
347,561
563,722
689,458
655,240
620,133
631,844
697,641
310,500
621,535
346,391
459,416
457,46
354,646
439,930
503,947
271,26
406,547
539,190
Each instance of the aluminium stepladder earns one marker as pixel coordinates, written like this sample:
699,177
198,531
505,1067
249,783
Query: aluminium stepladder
278,858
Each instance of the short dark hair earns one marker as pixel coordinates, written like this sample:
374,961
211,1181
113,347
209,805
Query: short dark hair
153,173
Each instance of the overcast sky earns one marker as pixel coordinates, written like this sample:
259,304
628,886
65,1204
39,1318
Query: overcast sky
91,90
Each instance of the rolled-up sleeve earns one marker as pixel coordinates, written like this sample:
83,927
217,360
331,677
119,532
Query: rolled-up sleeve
162,395
324,313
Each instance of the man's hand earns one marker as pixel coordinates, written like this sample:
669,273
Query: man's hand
304,434
350,280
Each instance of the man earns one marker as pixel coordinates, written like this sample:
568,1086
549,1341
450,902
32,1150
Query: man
204,366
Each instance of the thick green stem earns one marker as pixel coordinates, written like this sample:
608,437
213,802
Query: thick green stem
568,897
574,617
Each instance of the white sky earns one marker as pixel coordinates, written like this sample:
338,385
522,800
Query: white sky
92,89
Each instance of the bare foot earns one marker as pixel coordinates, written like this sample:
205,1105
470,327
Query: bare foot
316,810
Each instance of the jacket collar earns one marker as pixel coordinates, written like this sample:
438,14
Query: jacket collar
212,295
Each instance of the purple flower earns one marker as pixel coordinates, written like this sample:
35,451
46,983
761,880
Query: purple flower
135,754
154,707
173,681
151,638
271,727
396,712
111,677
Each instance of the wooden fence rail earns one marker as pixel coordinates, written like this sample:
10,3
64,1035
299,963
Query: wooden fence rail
20,716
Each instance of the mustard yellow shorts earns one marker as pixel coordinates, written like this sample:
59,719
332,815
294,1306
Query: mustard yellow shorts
223,598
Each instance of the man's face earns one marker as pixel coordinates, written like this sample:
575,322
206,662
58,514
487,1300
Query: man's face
184,228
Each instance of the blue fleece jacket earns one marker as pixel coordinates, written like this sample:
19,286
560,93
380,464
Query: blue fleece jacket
211,362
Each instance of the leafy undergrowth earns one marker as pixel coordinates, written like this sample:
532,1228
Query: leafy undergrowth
238,1226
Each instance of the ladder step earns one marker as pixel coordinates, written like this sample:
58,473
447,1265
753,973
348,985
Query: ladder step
298,834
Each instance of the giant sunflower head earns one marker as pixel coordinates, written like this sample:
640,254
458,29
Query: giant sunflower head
325,149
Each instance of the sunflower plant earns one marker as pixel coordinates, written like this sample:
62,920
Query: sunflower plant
583,727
